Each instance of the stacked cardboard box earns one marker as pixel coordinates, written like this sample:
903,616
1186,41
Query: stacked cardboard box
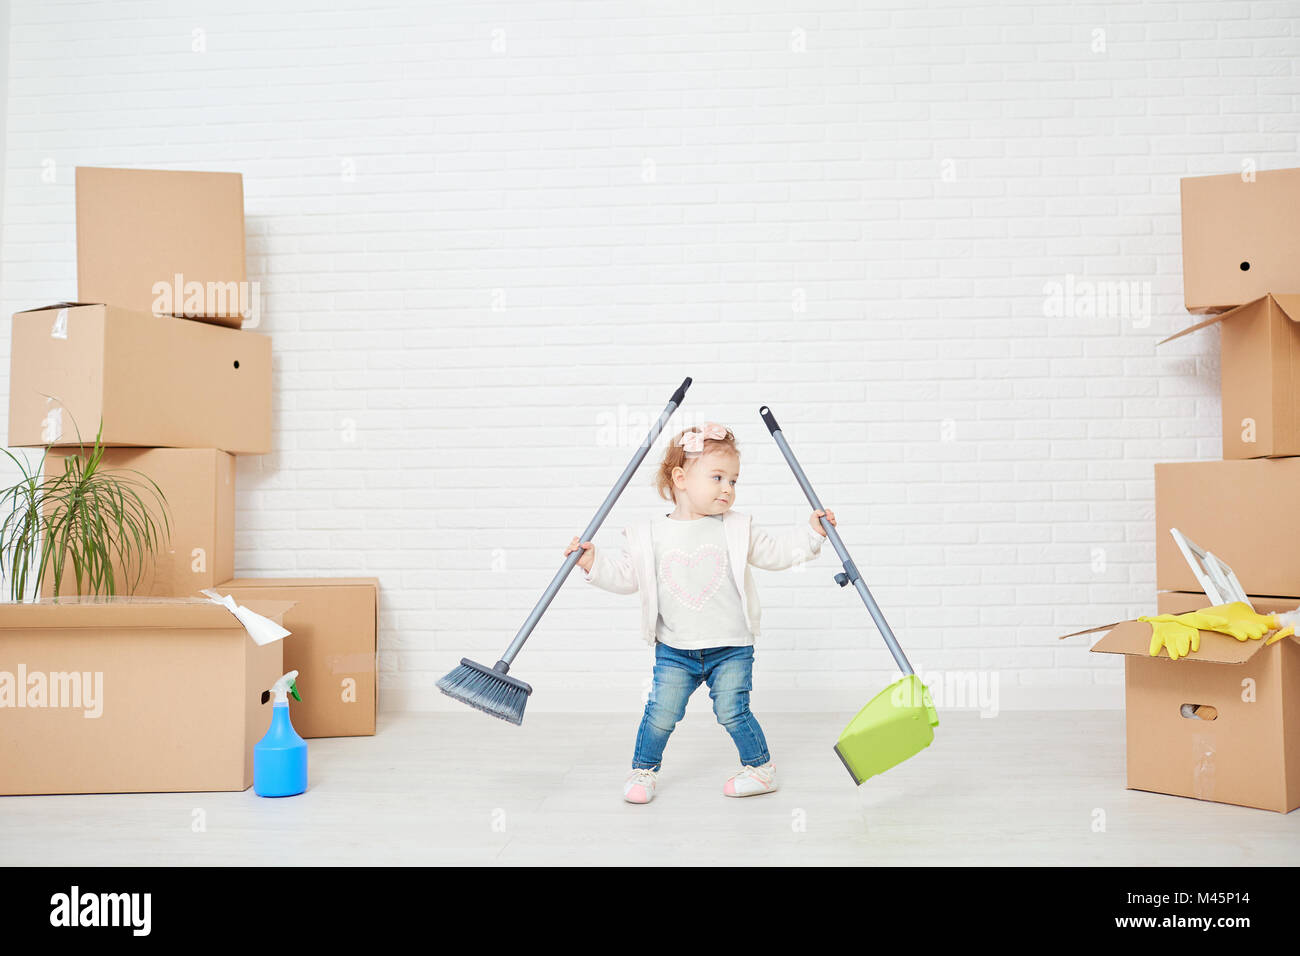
152,355
175,389
1241,263
135,251
1224,723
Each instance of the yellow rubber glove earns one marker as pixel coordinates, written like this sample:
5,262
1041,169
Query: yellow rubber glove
1284,632
1235,619
1178,638
1204,620
1244,623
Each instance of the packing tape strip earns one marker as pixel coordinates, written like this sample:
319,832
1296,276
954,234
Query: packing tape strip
60,328
261,629
1203,766
52,425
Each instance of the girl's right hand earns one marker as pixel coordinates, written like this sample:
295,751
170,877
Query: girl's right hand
588,553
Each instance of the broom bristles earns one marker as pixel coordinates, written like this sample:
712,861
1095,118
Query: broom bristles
487,690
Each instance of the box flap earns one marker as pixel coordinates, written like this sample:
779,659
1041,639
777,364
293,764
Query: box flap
1289,303
274,610
1134,638
1212,320
57,305
1091,630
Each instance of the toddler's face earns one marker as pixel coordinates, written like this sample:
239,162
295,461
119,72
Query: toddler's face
709,482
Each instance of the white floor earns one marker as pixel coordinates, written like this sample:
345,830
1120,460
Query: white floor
464,788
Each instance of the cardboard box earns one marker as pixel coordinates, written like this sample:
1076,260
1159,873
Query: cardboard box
1240,240
332,647
1222,724
198,485
151,381
163,241
131,695
1246,512
1180,602
1260,350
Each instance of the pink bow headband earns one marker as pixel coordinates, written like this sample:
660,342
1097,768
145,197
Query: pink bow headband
693,442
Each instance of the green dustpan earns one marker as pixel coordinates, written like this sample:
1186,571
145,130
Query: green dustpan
899,722
896,724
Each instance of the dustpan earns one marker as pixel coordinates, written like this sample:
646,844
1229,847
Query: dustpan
896,724
899,722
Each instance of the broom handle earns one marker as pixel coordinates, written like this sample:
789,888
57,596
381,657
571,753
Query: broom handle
553,588
850,569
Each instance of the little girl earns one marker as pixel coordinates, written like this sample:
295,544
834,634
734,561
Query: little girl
699,607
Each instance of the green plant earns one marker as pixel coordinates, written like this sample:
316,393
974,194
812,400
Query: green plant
92,519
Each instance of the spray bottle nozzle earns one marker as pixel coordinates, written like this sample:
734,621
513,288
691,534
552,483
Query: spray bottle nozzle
286,685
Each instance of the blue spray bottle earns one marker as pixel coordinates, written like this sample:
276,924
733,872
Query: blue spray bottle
280,758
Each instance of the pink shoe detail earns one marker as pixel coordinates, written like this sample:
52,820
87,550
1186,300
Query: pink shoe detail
640,786
750,781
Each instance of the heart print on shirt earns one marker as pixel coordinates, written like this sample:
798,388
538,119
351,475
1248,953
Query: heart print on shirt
695,577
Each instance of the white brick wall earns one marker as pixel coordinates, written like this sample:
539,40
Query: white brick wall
4,103
486,230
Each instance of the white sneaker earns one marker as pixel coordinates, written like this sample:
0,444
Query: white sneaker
751,780
640,786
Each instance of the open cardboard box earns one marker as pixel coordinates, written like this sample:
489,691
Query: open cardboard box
126,695
1260,385
151,381
169,242
1240,240
333,621
1222,724
198,487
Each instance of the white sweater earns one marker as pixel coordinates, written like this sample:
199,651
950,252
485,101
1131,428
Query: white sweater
625,571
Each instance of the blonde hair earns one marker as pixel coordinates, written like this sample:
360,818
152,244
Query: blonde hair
676,457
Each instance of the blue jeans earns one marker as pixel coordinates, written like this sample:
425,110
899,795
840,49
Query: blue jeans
729,673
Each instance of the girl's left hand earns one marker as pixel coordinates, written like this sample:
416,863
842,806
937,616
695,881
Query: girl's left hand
817,525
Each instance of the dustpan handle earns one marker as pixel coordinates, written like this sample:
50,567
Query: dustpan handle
606,506
851,573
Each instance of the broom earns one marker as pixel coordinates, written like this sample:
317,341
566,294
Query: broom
492,689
